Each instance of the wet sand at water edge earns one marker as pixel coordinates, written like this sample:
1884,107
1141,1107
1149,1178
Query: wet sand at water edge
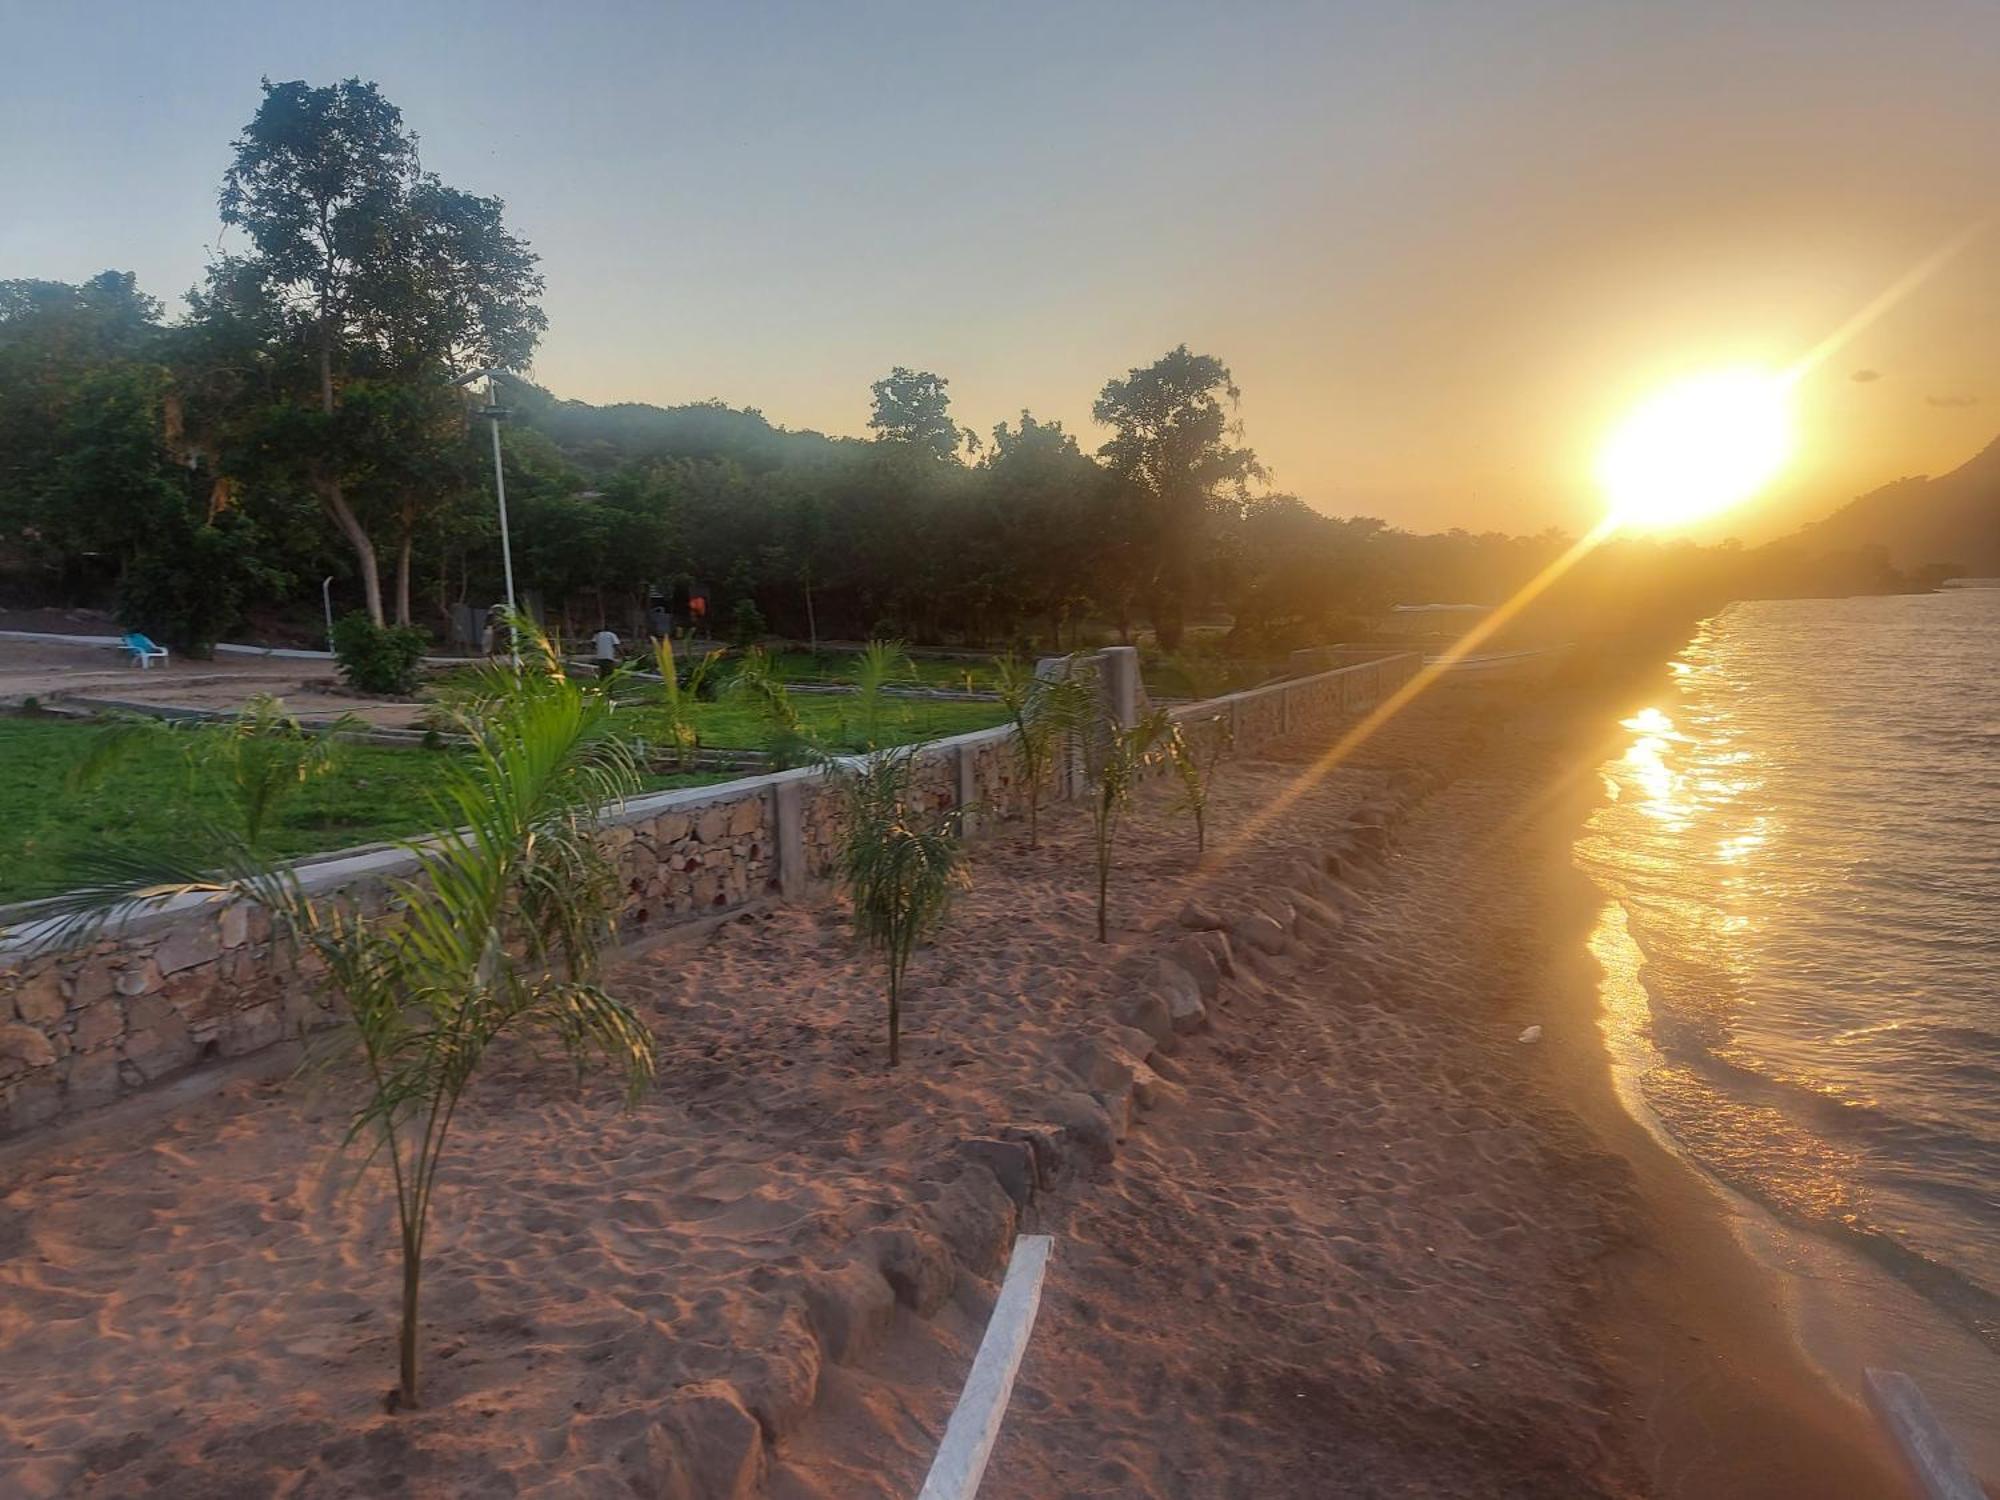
1357,1239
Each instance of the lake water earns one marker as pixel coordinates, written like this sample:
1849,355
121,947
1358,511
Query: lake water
1801,848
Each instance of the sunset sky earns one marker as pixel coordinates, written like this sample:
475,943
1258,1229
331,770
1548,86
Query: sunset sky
1443,246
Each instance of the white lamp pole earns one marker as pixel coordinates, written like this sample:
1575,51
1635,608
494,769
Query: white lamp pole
500,490
493,412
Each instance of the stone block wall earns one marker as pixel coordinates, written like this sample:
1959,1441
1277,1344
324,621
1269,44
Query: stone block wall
199,980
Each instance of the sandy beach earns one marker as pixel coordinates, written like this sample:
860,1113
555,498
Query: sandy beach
1349,1236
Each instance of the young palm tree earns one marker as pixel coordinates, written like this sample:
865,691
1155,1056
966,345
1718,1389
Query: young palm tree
1196,775
1115,759
785,738
497,935
900,867
674,713
261,756
1047,712
880,664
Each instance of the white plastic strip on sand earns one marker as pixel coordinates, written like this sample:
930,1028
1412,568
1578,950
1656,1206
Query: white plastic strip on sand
975,1421
1941,1473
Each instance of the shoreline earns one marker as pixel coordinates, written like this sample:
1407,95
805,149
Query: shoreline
1689,1316
1837,1311
1354,1227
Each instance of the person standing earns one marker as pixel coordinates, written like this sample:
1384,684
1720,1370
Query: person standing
607,651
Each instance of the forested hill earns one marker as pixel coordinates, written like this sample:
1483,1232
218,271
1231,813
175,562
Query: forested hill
1949,519
603,439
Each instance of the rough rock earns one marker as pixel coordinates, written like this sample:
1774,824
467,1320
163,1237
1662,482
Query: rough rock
1197,964
1045,1142
187,944
1149,1011
719,1445
1261,932
1100,1067
714,825
32,1101
976,1216
1086,1126
1183,995
39,1001
92,1077
98,1024
141,979
779,1380
1200,918
26,1044
916,1264
1277,907
158,1041
849,1309
1216,944
1012,1164
252,1029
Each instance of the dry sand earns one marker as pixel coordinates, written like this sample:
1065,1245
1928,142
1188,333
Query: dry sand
1359,1241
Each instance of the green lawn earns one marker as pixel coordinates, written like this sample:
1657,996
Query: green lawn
838,666
733,724
377,793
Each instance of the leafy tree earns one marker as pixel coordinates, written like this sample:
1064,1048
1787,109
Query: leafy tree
361,264
1176,439
900,865
911,407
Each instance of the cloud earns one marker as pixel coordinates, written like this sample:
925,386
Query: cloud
1951,400
1862,377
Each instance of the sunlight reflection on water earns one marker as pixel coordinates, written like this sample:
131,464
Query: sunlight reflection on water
1802,948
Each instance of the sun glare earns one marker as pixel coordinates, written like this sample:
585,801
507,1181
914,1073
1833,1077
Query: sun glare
1697,447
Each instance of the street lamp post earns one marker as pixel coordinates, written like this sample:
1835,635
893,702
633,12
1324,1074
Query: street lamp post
493,411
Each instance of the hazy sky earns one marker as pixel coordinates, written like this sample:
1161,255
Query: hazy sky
1441,245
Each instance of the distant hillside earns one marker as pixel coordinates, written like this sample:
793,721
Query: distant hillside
599,439
1953,518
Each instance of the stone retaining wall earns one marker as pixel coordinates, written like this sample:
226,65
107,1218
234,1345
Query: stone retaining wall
198,980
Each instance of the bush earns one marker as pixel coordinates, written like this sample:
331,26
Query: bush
378,659
187,589
746,623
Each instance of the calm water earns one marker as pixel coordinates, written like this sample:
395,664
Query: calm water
1802,848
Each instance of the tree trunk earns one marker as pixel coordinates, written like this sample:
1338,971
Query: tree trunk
357,538
403,579
895,1013
336,503
413,1270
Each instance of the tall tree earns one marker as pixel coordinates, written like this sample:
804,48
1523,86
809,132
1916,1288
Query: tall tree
911,407
363,266
1175,436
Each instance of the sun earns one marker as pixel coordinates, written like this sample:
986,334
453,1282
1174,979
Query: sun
1697,447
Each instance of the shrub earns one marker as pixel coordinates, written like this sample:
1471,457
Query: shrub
746,623
379,659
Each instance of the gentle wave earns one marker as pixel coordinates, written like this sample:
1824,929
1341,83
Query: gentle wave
1804,836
